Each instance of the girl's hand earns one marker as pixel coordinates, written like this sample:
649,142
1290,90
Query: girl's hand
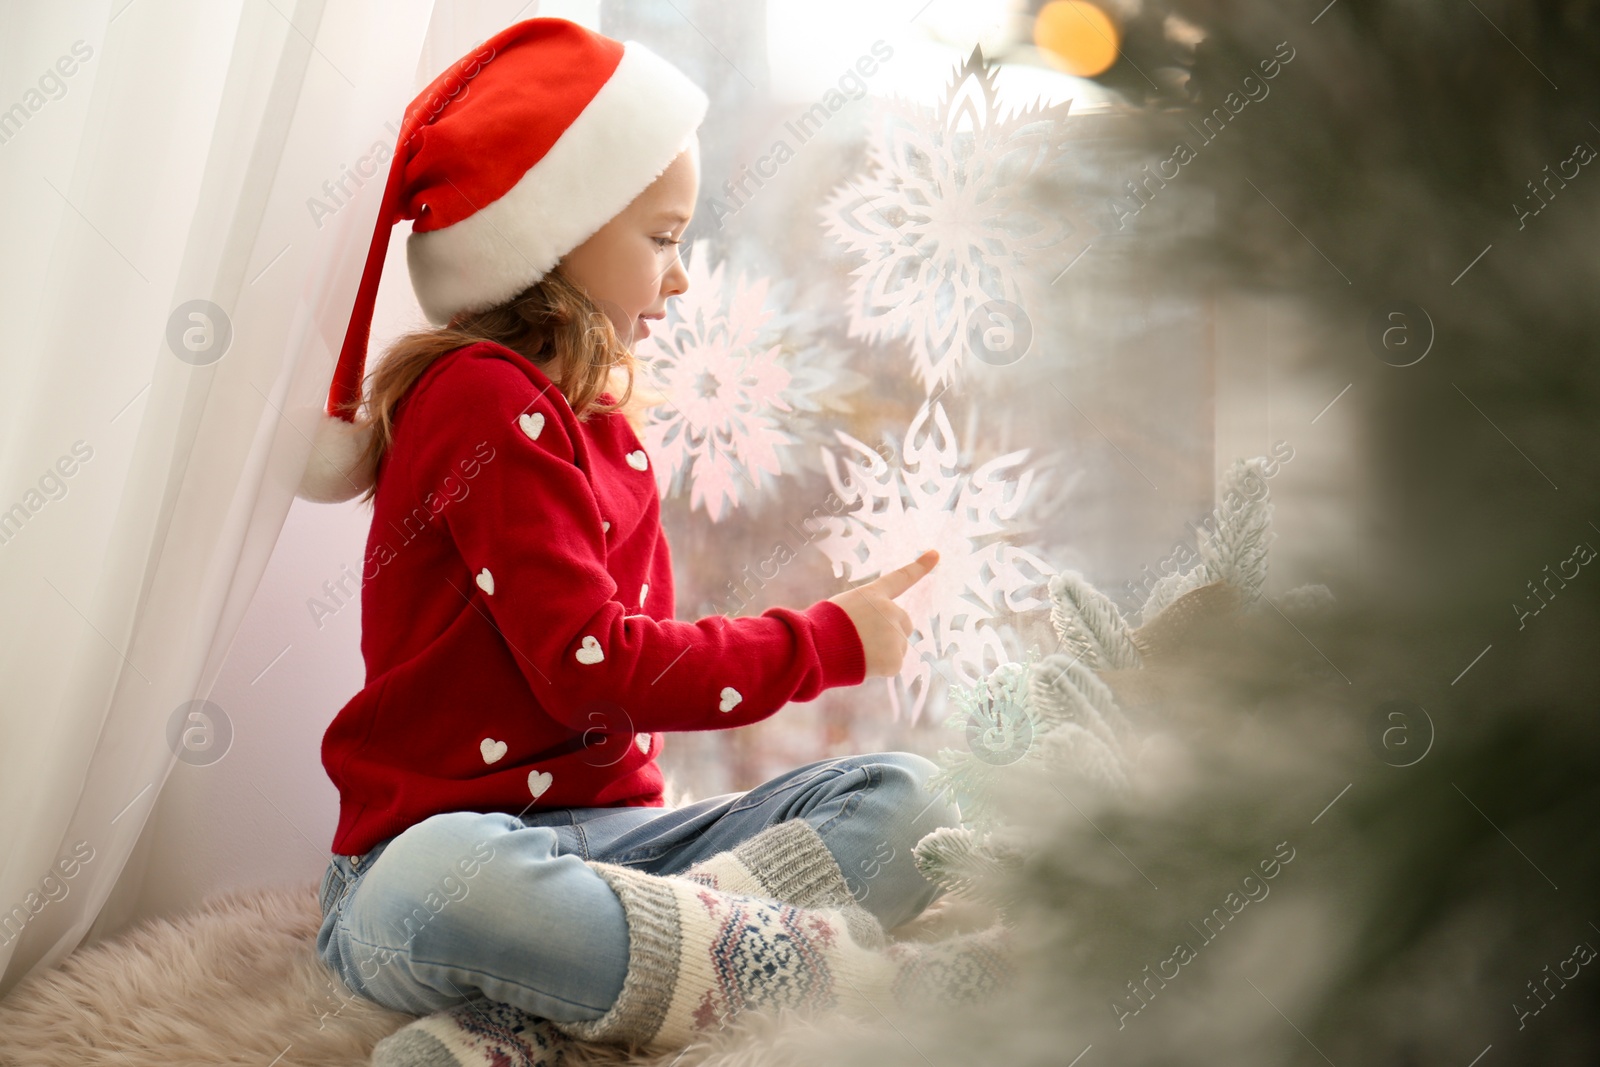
883,625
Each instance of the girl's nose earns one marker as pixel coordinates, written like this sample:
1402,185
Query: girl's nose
676,281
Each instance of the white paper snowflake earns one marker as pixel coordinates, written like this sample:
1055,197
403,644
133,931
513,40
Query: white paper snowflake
945,219
728,384
928,500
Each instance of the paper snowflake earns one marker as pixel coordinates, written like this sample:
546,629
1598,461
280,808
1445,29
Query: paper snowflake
928,500
945,219
726,385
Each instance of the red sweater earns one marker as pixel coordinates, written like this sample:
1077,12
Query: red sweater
516,607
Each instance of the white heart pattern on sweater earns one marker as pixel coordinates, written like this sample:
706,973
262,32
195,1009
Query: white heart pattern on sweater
605,525
638,460
532,425
492,750
590,653
485,581
730,697
538,782
643,741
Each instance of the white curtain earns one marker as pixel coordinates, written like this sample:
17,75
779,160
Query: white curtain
154,154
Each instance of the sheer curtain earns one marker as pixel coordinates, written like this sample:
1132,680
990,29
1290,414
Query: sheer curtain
190,219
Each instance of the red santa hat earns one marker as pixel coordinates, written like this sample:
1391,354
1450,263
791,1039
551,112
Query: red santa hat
509,160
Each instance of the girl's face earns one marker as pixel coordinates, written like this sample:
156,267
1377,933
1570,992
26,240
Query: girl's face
630,265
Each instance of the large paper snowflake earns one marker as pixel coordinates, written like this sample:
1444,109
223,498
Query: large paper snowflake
728,384
926,501
946,220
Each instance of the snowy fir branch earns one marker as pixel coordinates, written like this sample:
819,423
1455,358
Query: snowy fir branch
960,860
1064,691
1089,624
1000,727
1058,713
1236,550
1170,588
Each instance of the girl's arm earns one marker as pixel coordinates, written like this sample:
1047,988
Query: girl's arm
533,523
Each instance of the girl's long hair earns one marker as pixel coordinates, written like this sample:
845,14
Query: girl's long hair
553,323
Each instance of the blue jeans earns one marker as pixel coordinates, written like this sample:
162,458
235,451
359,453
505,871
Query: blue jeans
468,905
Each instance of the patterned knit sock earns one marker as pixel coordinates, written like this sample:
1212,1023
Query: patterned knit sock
786,862
479,1033
789,862
697,956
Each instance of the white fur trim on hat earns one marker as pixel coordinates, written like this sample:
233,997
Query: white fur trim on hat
334,472
636,125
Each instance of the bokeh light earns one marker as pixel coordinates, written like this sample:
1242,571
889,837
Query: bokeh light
1076,36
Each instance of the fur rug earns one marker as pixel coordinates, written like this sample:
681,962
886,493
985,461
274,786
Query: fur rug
237,981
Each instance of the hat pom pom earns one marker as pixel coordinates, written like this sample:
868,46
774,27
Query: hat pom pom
335,470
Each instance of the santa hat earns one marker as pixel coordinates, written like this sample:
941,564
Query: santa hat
512,158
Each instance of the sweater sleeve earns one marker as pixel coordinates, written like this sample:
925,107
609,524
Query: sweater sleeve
533,547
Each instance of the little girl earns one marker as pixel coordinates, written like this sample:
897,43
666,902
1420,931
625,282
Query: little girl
502,843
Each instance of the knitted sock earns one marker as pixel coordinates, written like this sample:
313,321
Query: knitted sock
785,862
479,1033
697,956
789,862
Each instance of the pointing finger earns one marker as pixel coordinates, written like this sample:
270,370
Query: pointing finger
898,581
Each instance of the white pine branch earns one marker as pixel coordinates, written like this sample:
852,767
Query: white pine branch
1170,588
958,859
1066,691
1089,624
1236,551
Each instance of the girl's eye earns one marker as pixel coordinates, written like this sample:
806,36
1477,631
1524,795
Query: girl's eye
662,242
